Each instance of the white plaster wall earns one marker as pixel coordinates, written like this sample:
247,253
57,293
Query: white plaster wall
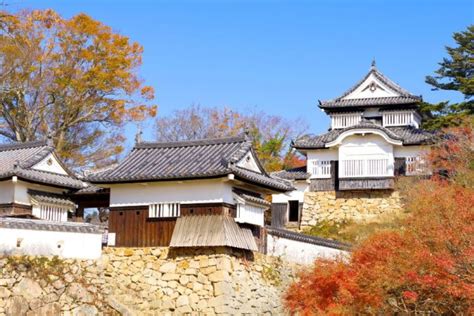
362,91
367,145
21,191
55,166
6,191
249,162
45,243
300,252
319,154
301,187
192,191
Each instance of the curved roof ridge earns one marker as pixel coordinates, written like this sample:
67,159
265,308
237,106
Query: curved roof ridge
368,124
16,146
379,75
37,157
390,83
409,135
188,143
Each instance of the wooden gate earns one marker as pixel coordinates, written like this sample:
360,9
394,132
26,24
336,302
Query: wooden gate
279,214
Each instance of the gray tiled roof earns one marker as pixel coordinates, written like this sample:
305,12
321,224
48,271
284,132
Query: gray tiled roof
407,134
251,197
292,174
308,239
36,224
187,160
404,97
91,189
368,102
47,197
17,160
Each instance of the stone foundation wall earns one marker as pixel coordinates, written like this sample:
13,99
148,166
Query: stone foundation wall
348,205
146,281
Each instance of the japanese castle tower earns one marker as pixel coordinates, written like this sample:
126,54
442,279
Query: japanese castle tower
374,137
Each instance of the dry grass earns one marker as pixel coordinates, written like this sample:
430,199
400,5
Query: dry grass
354,232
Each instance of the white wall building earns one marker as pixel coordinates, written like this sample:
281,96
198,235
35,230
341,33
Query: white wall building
158,184
34,182
374,136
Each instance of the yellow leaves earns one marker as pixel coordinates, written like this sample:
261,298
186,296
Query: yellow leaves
80,74
152,110
140,112
148,92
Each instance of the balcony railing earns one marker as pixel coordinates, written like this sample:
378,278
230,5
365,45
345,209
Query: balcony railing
365,168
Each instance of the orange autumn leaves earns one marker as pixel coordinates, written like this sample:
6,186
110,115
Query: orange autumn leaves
73,78
425,267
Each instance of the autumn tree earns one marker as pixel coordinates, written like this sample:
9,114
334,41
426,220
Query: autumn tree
271,134
73,79
424,268
456,73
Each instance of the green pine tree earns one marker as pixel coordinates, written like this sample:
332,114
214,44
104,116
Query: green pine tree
455,74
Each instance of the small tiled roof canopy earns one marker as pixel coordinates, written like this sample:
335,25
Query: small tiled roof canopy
403,99
409,135
32,224
207,158
298,173
18,160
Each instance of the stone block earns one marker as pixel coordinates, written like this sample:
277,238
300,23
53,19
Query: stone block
170,277
169,267
218,276
28,288
182,301
216,301
4,292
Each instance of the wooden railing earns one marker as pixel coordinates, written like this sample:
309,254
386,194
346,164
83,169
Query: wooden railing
365,168
321,169
51,212
345,120
401,118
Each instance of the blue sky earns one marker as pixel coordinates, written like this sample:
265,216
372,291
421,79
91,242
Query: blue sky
277,56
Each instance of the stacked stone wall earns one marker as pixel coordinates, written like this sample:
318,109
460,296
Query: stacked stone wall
359,206
146,281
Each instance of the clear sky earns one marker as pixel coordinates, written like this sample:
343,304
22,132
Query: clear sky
277,56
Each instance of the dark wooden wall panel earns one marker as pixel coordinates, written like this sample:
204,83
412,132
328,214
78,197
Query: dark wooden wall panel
364,183
133,228
208,209
400,166
279,214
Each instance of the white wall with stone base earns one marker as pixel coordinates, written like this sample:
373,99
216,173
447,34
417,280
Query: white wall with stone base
300,252
50,243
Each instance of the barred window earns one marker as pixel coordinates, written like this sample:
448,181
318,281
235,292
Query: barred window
321,169
163,210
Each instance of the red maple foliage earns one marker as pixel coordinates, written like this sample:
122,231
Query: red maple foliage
425,267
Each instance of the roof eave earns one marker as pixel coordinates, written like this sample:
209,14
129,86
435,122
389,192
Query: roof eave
141,180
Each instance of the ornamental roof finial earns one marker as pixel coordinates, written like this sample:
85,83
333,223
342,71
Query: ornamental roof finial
373,65
49,139
138,136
